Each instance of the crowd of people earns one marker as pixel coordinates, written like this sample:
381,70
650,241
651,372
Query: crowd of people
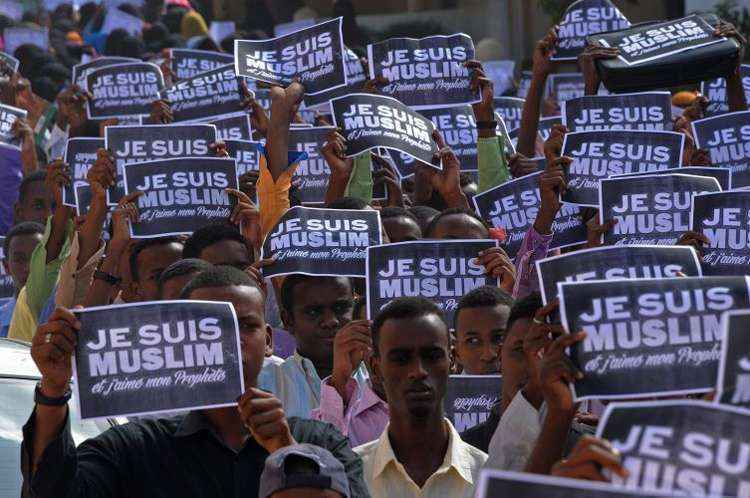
335,404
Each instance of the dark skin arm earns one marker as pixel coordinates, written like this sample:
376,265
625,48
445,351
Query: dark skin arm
552,183
735,91
57,176
23,131
542,67
284,105
587,62
334,152
484,110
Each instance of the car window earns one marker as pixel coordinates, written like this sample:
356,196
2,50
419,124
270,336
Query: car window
16,404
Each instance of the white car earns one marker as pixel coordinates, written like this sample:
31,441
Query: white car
18,377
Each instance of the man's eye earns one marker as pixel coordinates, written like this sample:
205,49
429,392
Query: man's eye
472,341
312,312
341,308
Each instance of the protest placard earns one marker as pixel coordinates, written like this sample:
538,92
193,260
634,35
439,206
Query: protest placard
650,42
10,61
546,124
650,209
355,79
313,55
727,139
134,359
630,111
501,483
119,19
180,195
615,263
584,18
565,86
83,196
234,127
187,63
12,9
524,84
648,337
680,447
208,95
724,218
123,89
502,133
458,127
7,288
733,382
599,154
16,36
131,144
716,92
245,153
368,121
510,109
81,70
316,241
439,270
514,205
469,399
312,171
8,116
502,75
80,155
722,175
425,72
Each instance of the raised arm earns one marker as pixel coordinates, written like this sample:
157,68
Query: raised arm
735,90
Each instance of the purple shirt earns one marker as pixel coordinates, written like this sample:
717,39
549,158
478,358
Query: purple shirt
534,247
362,421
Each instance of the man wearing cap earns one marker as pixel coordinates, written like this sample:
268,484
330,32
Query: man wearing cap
303,471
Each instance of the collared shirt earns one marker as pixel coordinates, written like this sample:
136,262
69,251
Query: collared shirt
455,478
533,248
516,435
362,420
296,383
177,457
6,313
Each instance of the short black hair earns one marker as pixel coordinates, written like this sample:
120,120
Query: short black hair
396,212
219,276
36,176
23,228
209,235
292,281
481,297
424,215
401,308
348,203
451,212
181,268
525,307
144,244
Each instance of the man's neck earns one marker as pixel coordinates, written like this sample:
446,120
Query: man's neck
419,444
323,371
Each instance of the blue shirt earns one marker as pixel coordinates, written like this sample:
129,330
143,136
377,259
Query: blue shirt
7,306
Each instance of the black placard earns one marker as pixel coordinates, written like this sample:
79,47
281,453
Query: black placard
442,271
7,288
123,90
469,399
733,382
722,175
546,124
599,154
11,61
80,155
514,205
716,92
565,86
510,109
650,209
648,337
83,197
205,96
458,127
316,241
314,56
151,357
370,121
245,153
727,139
130,144
650,42
187,63
724,218
355,80
680,447
425,72
180,195
584,18
8,116
235,127
313,172
524,84
614,263
631,111
81,70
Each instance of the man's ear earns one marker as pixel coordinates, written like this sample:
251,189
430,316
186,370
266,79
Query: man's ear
373,361
16,212
287,319
269,341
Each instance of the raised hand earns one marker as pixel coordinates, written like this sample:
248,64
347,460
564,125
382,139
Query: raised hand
350,345
589,458
52,347
263,415
497,264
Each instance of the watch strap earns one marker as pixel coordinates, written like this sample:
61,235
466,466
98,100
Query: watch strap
41,399
107,277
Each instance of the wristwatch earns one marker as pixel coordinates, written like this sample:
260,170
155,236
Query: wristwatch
486,125
41,399
107,277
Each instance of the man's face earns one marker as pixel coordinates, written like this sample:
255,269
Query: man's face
321,306
513,366
479,338
152,261
401,229
36,205
248,304
172,288
19,256
459,226
227,252
413,363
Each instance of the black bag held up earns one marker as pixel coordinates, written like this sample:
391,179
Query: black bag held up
683,68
